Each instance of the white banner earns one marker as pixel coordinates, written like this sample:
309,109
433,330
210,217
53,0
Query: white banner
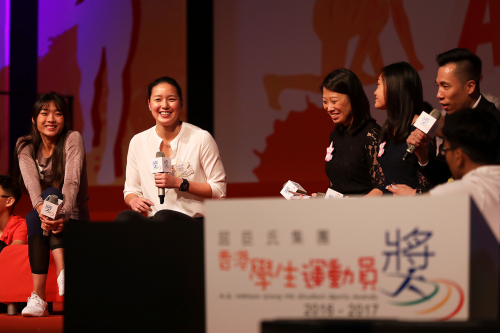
404,258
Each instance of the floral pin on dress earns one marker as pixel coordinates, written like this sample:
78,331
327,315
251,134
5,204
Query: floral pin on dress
329,152
381,149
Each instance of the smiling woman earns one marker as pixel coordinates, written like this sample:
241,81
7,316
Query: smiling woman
351,160
50,161
197,172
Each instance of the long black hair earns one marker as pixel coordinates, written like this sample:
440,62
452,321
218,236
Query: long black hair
404,99
34,140
344,81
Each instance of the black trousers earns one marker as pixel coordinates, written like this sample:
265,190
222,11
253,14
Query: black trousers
39,246
165,215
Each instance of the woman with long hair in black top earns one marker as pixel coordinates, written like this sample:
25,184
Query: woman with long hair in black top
399,91
351,159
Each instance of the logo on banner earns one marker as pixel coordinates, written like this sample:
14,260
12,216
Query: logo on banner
406,262
339,285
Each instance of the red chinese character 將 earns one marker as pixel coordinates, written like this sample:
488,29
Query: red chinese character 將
241,259
367,272
289,277
334,273
263,270
224,260
314,273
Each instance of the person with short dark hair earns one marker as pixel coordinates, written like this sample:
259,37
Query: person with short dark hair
457,79
399,92
351,160
50,161
470,146
197,173
12,228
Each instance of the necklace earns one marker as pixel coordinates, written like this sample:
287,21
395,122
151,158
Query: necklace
168,144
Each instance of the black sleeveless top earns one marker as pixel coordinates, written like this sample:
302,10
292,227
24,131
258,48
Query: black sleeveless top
397,171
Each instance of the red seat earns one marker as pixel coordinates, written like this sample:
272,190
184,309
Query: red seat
16,283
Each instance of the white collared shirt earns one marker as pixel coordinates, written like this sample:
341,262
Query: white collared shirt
440,140
477,102
193,147
483,185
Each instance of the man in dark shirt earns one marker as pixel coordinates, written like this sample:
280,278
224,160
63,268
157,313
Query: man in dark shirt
457,79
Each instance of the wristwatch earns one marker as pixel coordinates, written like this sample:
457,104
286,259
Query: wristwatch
184,185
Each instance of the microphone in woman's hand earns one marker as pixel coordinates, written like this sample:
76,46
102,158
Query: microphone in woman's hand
49,210
161,190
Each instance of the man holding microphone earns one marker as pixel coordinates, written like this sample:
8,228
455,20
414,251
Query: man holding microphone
457,79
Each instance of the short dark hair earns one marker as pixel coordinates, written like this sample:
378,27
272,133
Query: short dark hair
165,79
404,99
469,65
344,81
475,132
8,185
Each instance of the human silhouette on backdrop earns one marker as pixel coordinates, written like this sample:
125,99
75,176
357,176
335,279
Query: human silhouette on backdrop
104,35
336,22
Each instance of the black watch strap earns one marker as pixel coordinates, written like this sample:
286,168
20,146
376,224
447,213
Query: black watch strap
184,185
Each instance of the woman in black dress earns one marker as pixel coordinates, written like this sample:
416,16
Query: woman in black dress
351,159
399,91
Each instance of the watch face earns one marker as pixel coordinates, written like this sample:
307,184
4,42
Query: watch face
184,185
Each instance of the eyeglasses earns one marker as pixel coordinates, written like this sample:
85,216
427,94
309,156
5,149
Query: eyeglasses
444,149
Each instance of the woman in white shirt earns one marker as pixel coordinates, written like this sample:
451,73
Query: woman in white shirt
197,172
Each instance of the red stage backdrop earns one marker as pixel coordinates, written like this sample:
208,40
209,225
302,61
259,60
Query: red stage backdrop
102,54
271,57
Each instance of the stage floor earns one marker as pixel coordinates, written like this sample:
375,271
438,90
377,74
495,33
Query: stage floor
18,323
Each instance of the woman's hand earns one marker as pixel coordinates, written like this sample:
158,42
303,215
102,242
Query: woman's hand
420,140
401,190
166,180
56,226
39,208
140,205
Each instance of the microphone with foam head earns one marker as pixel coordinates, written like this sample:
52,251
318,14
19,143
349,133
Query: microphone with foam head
411,149
53,199
161,191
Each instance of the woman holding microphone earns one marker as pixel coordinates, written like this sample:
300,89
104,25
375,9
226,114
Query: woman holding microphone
50,161
399,92
197,172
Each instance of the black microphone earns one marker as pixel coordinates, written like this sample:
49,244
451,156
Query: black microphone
411,149
161,191
53,199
